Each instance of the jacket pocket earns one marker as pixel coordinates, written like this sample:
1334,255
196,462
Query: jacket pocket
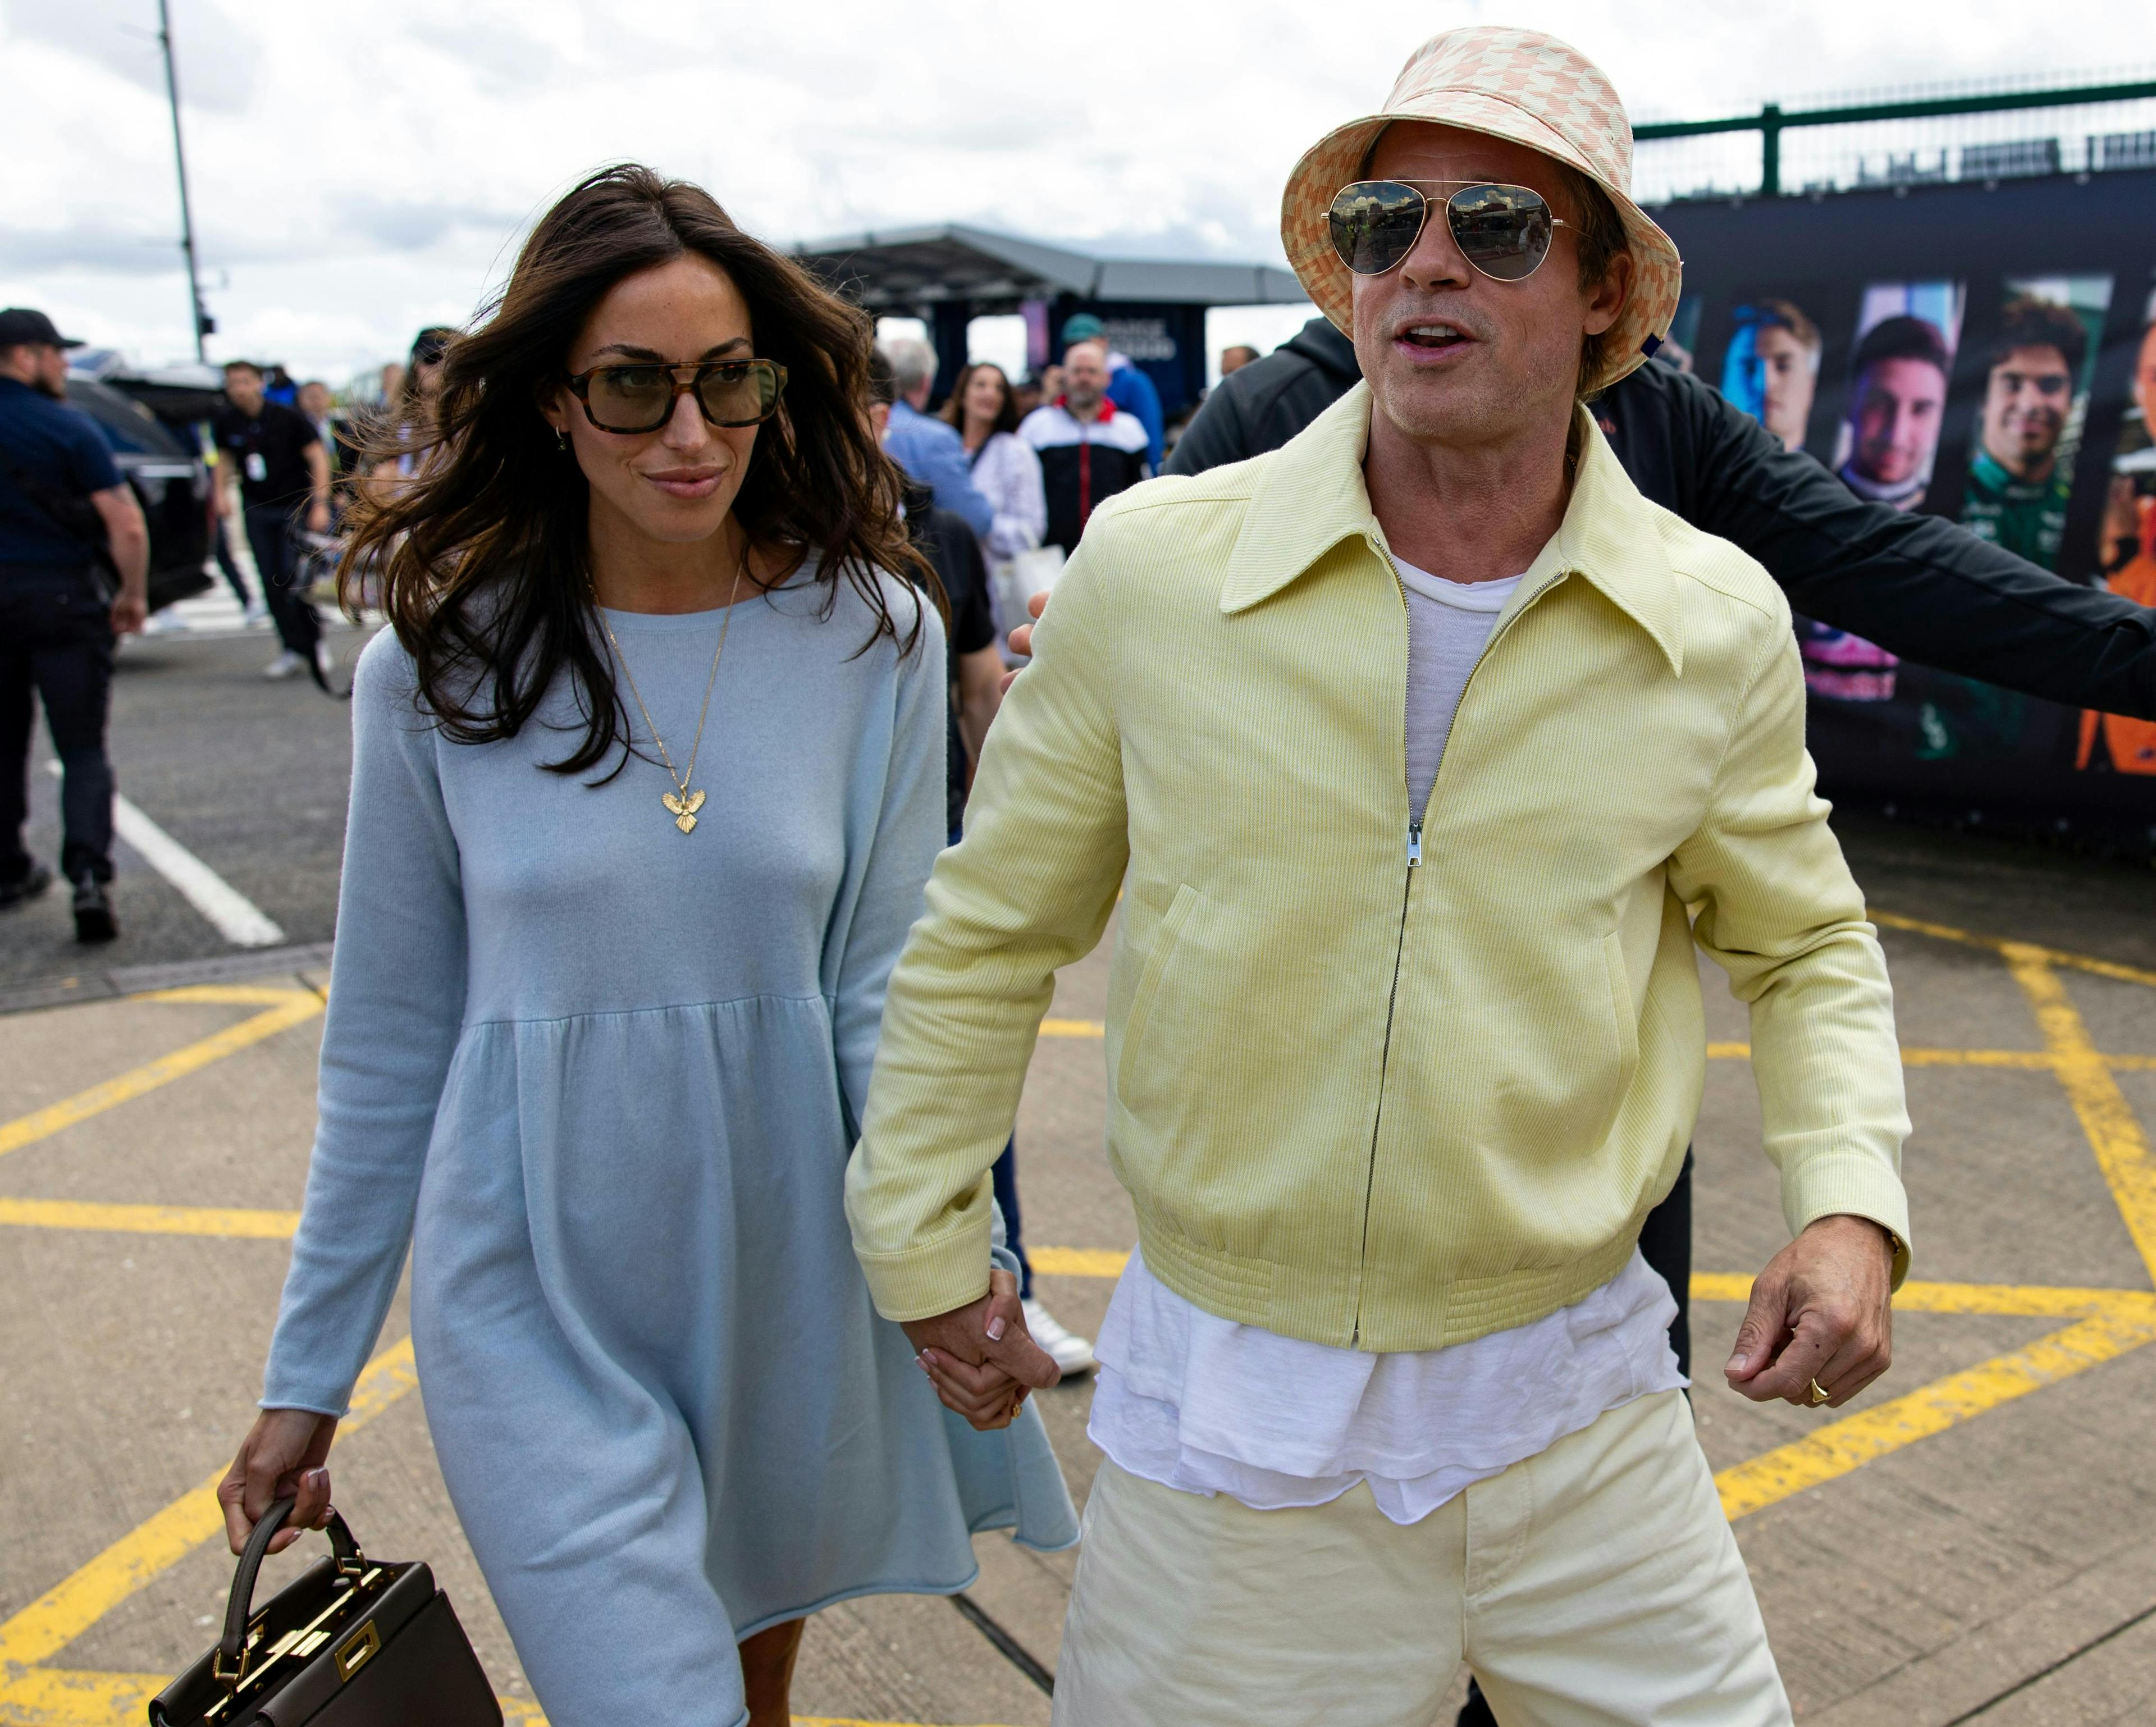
1187,901
1626,1016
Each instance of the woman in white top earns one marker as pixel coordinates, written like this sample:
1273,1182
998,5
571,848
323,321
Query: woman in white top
1005,468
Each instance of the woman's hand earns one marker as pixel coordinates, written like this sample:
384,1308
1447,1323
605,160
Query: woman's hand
280,1458
980,1357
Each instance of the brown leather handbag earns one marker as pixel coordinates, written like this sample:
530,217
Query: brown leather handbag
352,1643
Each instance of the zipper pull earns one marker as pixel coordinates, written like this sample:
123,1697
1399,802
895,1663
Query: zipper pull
1414,846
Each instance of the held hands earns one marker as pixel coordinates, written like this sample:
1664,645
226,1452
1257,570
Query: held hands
1819,1313
1021,638
281,1457
980,1357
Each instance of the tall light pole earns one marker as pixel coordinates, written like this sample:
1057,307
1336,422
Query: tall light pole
203,323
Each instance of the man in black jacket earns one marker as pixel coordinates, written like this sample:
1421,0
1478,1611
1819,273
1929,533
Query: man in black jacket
1918,585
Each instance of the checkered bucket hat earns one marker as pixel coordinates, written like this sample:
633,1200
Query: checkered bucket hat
1519,85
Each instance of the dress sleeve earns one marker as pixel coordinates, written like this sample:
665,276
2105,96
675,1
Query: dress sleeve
396,998
896,840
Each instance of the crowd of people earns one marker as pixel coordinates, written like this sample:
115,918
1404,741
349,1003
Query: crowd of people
707,877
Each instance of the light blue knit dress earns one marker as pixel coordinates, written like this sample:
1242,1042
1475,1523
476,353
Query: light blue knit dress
604,1076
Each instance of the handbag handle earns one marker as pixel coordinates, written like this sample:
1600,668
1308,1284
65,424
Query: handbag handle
230,1665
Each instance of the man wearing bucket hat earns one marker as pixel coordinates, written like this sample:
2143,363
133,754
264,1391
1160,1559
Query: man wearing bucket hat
1407,746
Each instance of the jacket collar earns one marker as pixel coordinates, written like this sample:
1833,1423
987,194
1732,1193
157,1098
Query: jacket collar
1310,498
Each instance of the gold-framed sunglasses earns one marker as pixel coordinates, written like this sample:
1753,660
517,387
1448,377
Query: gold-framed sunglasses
638,395
1503,231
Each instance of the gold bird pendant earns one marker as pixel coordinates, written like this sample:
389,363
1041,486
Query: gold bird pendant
683,807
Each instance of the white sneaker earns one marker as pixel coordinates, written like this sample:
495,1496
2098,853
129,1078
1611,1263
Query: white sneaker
326,662
256,613
1070,1352
287,664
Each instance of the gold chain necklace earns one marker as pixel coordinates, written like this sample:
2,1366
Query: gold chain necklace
681,803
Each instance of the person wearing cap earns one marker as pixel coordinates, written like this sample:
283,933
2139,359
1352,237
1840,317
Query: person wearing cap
1399,754
70,533
1128,387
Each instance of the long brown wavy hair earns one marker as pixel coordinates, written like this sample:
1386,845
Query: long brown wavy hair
480,557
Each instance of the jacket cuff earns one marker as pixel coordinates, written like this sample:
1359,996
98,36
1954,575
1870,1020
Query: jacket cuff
1856,1183
922,1281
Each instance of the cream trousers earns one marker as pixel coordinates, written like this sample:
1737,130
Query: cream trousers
1598,1583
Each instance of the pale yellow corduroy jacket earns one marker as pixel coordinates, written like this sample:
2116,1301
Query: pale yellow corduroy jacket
1358,1098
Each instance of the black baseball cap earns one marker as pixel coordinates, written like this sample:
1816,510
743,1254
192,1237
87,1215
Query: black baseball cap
19,325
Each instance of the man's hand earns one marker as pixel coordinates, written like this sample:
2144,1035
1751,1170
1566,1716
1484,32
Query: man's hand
1819,1312
1021,638
131,611
318,517
980,1357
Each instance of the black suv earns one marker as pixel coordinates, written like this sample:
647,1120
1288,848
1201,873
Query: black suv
169,479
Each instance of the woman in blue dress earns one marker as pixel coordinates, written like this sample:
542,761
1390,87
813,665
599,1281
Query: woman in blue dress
648,778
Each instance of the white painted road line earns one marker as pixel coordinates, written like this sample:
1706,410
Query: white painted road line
237,918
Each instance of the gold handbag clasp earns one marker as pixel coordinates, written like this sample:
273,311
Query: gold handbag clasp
358,1650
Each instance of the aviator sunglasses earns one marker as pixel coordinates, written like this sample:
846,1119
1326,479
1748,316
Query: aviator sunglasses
1504,231
639,397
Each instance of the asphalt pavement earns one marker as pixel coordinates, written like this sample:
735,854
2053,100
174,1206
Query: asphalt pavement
1973,1540
247,775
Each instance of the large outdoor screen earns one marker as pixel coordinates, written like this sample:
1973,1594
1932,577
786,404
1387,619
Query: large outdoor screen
1986,354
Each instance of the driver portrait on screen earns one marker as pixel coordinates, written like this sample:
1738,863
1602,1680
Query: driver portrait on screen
1777,369
2017,491
1897,407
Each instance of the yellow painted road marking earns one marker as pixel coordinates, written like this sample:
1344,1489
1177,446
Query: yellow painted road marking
1073,1028
1078,1261
62,1697
2114,1134
70,1607
1860,1439
149,1220
234,994
294,1007
1997,944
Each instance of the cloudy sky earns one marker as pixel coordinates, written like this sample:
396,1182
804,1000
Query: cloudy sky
359,171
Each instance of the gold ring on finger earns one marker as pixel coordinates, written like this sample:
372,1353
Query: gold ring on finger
1820,1395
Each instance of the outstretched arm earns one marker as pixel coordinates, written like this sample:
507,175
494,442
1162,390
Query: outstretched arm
1919,585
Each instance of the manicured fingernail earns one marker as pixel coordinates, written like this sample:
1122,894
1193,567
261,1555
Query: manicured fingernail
996,1329
921,1361
318,1477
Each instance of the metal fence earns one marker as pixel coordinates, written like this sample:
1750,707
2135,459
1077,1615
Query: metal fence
1996,130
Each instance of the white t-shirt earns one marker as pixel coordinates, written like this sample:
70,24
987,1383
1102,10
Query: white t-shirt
1449,624
1205,1405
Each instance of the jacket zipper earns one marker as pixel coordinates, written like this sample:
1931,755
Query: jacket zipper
1407,895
